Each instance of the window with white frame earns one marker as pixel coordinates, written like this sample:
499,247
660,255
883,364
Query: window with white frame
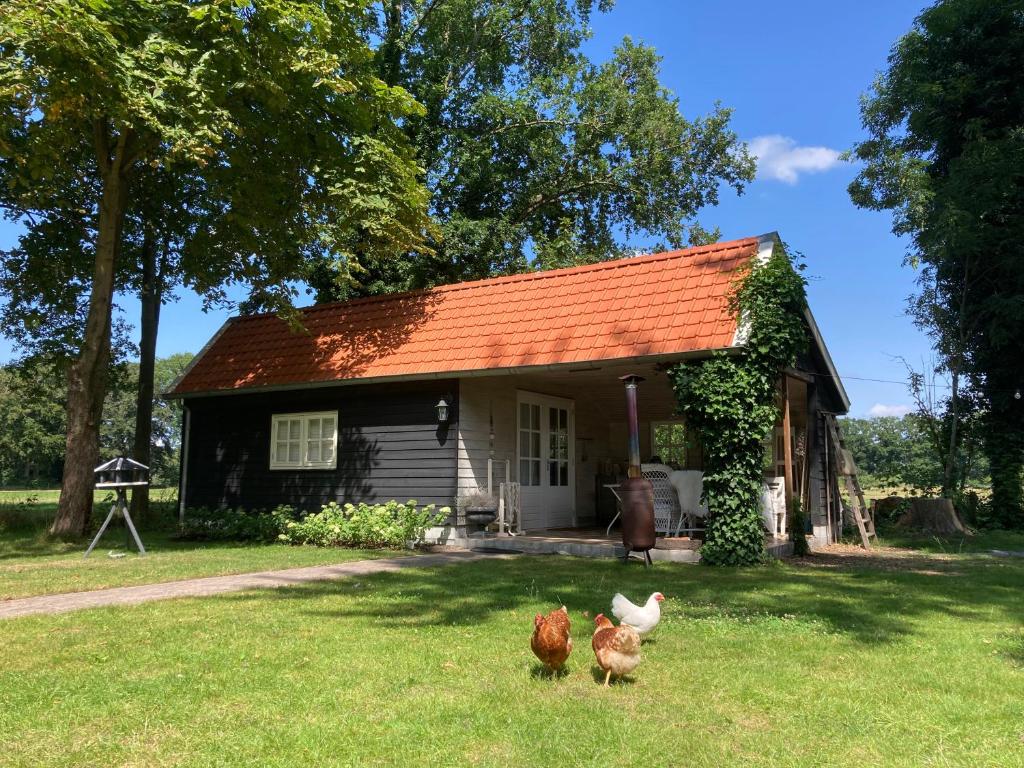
669,442
304,440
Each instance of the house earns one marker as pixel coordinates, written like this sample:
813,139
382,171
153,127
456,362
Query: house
426,394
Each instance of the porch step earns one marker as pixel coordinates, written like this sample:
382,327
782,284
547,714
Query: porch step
673,551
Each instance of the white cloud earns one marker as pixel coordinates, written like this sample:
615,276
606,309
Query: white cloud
779,158
878,409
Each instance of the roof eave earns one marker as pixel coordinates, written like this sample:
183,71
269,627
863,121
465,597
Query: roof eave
169,393
829,365
474,373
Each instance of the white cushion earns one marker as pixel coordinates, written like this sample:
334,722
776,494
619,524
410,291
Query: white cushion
689,484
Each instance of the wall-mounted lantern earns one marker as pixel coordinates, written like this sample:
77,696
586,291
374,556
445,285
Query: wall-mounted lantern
442,411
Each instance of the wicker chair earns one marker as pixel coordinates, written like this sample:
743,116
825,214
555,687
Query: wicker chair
668,514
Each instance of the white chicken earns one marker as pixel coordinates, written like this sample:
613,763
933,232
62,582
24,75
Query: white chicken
641,618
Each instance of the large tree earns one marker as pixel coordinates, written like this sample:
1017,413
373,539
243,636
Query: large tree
945,153
269,108
535,155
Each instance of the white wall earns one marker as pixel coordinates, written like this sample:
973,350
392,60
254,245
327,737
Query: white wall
600,436
480,400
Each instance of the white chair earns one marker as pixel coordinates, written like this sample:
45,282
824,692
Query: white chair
689,485
773,505
668,515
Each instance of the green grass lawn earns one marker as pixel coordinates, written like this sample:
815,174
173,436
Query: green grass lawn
986,541
31,563
900,660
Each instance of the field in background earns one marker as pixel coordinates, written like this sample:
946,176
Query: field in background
879,490
52,495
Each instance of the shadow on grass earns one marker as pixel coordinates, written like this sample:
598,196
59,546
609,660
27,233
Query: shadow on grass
24,529
541,672
598,674
16,545
1013,650
872,605
979,542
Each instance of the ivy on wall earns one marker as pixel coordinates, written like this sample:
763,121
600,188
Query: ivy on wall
731,400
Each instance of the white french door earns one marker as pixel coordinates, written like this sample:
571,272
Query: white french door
545,460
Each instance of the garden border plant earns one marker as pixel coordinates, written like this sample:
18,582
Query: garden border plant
390,524
731,400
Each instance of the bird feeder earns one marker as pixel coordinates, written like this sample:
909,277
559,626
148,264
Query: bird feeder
119,475
637,492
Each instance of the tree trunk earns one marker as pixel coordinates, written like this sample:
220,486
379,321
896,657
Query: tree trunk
932,515
87,377
948,476
149,321
390,49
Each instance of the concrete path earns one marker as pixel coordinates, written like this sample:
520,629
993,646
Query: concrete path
216,585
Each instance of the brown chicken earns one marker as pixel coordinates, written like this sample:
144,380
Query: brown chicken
617,648
551,642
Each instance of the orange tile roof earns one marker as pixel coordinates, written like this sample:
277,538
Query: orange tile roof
661,304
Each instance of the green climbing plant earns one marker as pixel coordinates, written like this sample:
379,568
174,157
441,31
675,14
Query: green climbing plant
732,400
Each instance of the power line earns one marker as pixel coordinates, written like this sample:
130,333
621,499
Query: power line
888,381
905,383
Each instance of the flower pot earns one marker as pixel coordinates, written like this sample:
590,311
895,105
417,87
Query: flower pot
482,516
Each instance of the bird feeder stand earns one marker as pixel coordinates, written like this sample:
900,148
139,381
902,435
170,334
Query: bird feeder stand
119,475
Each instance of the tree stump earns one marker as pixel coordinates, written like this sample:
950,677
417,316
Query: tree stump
932,515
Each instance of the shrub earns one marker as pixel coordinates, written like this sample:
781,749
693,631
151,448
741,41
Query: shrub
731,400
237,524
890,509
972,509
798,528
364,525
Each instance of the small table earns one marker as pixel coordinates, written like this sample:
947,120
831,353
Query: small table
614,488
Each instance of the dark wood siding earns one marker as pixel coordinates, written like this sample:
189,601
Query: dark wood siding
822,397
389,447
815,458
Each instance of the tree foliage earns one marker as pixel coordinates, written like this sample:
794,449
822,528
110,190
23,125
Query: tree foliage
535,155
731,399
31,424
945,154
903,451
117,433
269,113
33,421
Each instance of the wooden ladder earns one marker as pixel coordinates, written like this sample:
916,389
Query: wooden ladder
846,466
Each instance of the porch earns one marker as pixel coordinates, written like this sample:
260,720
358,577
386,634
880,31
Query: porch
561,434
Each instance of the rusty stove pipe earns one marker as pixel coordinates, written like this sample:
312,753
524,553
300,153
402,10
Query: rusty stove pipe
636,491
633,423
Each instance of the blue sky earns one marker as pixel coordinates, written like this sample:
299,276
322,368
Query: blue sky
792,72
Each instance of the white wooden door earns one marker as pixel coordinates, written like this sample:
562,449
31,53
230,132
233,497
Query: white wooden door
545,460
